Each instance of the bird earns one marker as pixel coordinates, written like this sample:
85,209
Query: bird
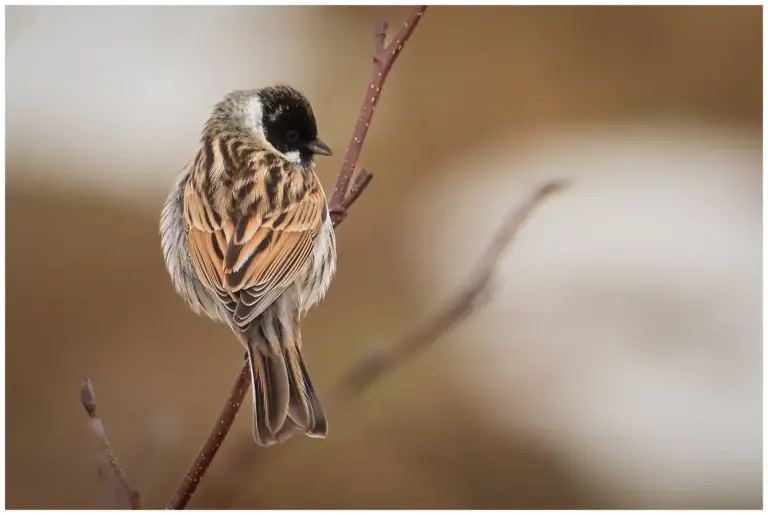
248,240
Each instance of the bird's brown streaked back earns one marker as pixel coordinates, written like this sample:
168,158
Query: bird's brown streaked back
257,245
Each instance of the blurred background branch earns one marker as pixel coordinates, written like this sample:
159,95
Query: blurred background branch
475,293
123,488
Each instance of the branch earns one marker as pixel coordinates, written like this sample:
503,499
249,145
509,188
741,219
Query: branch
383,59
88,398
339,203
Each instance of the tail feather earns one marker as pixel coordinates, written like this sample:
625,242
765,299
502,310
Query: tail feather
304,408
284,399
271,393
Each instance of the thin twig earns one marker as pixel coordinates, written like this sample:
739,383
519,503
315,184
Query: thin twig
339,203
362,181
88,398
383,60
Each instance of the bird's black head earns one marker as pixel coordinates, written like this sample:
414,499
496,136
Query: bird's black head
289,123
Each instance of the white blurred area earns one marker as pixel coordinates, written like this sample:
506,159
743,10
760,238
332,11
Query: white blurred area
110,100
626,331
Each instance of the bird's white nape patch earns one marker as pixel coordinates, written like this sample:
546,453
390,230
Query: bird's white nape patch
293,156
253,119
253,115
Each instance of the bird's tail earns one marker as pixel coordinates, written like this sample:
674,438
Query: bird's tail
284,399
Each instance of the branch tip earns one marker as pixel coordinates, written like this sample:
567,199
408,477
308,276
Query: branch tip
88,397
379,37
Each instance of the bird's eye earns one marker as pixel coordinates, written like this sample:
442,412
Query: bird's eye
291,136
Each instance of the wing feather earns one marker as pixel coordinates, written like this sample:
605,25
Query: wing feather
251,261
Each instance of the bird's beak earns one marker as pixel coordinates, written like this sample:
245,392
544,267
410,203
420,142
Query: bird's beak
319,147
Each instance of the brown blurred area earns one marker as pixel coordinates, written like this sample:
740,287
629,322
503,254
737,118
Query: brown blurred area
87,293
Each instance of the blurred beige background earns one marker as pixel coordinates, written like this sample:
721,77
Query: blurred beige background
105,104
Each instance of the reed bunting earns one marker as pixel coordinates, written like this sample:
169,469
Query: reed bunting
248,240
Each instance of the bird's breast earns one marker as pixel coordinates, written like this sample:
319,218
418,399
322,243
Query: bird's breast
320,268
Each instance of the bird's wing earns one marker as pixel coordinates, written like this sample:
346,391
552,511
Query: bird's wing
249,262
